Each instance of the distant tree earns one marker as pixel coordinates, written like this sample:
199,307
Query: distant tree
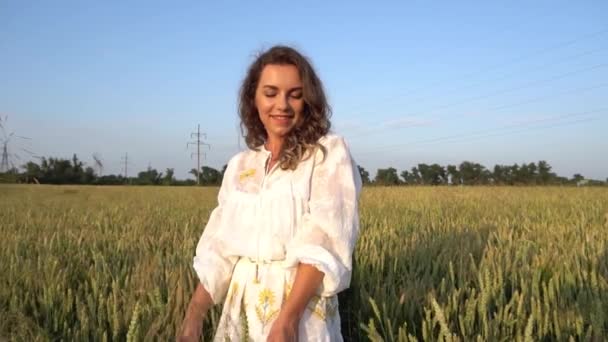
57,171
577,178
364,175
387,177
411,177
545,175
454,174
194,172
506,175
524,174
467,173
210,176
473,173
224,168
425,174
149,177
499,175
88,176
169,178
73,171
76,172
415,176
111,180
10,176
407,177
434,174
532,173
33,172
443,173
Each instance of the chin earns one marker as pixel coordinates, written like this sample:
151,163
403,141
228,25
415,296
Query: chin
281,132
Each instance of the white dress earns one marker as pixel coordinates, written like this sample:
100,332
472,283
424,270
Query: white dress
268,222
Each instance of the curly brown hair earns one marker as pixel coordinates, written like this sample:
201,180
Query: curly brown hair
302,141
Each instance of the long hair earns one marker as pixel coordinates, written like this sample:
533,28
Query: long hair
302,140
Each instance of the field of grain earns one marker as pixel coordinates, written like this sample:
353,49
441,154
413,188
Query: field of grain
432,263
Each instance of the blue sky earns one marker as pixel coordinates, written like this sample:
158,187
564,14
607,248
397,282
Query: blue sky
409,82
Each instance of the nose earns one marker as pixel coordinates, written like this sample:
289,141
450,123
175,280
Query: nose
282,103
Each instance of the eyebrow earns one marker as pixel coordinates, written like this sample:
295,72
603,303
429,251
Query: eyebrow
276,88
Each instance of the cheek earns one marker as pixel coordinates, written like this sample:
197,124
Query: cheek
262,105
298,106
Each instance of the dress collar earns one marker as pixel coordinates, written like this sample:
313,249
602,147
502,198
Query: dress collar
264,149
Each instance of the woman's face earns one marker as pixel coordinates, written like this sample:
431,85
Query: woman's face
279,99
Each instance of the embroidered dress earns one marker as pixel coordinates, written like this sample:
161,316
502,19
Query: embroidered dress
267,222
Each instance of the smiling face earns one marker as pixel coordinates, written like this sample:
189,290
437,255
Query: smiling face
279,100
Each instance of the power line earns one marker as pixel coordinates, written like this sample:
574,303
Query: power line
479,133
499,107
507,90
559,124
509,75
502,64
471,139
541,98
529,84
535,99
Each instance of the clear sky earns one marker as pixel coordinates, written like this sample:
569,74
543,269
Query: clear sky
409,82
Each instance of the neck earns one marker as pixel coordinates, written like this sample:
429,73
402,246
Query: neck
274,145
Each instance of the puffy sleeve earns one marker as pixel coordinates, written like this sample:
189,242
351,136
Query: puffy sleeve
329,229
211,265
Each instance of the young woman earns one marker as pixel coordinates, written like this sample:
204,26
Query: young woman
278,248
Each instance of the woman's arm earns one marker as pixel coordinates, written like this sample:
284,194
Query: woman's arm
307,281
195,314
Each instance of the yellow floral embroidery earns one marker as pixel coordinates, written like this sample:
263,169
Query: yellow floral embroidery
264,309
323,308
317,310
244,324
246,174
266,296
229,323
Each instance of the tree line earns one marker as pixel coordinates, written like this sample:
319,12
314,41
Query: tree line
470,173
74,171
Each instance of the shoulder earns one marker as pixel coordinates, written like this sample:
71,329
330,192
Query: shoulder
335,147
332,141
242,155
239,160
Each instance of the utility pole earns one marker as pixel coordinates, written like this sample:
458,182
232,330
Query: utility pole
198,144
125,159
4,164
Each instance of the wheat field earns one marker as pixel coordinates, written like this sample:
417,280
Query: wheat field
85,263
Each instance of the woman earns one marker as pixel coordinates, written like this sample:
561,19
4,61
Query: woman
278,248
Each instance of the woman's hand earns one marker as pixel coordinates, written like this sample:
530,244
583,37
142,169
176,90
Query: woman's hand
195,314
307,281
284,328
190,331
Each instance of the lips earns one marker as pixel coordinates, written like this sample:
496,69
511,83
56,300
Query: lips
284,117
282,120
